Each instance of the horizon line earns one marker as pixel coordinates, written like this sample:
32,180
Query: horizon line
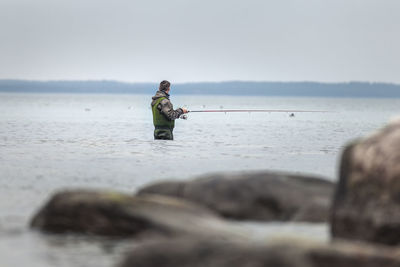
194,82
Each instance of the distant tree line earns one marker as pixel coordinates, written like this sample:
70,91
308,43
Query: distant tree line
350,89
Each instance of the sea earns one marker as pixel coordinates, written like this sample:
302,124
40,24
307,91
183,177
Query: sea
51,142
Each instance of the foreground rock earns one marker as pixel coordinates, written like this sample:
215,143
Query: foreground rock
115,214
200,253
367,200
262,196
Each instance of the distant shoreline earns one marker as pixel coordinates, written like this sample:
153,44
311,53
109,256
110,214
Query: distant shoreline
230,88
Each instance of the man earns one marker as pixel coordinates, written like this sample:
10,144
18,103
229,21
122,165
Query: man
164,115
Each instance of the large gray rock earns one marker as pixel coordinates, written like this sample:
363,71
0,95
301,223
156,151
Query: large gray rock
261,196
116,214
367,200
209,253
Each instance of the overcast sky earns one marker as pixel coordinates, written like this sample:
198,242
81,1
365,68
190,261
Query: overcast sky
201,40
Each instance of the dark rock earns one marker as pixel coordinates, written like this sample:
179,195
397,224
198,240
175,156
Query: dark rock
115,214
367,199
340,254
263,196
200,253
206,253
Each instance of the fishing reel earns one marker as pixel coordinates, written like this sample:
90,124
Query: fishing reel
183,117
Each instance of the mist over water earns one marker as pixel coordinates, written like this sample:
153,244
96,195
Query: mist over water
54,141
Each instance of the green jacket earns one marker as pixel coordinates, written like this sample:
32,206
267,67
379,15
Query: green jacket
164,114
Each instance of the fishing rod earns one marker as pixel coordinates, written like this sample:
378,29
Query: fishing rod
291,111
257,110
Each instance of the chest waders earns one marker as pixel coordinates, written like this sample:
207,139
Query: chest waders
163,127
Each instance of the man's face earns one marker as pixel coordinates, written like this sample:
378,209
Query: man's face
167,91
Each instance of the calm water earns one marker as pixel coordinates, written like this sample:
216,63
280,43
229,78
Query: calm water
53,141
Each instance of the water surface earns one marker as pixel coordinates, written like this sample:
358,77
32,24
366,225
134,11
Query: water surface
53,141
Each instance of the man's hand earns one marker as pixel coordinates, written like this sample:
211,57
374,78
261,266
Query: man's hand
184,110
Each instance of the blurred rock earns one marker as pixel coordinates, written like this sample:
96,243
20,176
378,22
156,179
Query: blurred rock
341,254
211,253
201,253
115,214
367,200
262,196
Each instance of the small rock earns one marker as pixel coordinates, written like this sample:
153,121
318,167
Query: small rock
116,214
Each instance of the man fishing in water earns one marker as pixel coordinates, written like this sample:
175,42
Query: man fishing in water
164,115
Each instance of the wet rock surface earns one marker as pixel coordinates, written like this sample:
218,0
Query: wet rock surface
116,214
196,253
261,196
367,200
